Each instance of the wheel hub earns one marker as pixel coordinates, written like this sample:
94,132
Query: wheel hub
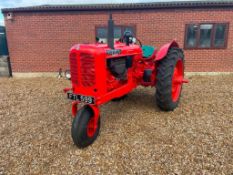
177,80
91,127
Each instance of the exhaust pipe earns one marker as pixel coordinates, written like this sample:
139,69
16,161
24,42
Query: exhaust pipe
110,32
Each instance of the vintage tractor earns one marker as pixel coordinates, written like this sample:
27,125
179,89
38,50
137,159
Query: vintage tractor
104,72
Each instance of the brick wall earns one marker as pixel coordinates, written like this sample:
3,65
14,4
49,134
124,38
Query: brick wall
40,42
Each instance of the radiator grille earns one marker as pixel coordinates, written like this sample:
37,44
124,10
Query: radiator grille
74,68
87,69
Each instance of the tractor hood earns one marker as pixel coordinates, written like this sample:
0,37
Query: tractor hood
120,49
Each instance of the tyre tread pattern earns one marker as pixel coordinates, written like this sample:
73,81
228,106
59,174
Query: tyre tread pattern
164,75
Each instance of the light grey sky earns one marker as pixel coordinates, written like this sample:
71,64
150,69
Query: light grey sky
22,3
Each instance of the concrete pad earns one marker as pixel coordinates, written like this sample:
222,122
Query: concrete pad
207,73
34,74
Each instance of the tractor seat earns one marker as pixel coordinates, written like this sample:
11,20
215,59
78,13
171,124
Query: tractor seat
147,51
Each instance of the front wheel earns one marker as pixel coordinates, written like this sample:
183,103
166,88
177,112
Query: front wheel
83,131
170,74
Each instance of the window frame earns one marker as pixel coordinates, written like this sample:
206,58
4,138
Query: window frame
133,26
212,37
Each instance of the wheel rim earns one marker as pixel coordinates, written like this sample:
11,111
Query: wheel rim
177,79
91,128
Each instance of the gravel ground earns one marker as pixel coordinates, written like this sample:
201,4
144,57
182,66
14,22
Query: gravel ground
135,138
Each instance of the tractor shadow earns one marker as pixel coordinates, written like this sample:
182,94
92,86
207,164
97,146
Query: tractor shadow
141,99
139,105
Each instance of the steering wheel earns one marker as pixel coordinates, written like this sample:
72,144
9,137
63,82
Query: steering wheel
126,38
139,41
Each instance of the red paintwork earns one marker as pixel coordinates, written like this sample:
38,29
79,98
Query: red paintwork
177,79
93,122
91,129
91,77
164,49
74,108
106,87
65,90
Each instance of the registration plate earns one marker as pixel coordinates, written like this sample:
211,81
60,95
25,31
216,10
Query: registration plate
81,98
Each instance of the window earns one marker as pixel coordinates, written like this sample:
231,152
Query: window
207,35
220,35
191,38
102,32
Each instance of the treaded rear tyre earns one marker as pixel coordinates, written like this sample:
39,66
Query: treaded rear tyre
165,69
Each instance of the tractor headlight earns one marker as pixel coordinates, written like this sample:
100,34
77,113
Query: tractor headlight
67,74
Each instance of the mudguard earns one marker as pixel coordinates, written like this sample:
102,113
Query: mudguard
164,49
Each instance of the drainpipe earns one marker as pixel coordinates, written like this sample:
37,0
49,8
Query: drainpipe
8,56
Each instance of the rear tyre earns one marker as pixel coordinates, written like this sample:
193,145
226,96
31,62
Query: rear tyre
170,73
83,131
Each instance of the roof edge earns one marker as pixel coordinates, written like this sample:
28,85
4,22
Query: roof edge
123,6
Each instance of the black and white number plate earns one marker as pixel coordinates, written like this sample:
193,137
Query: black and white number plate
85,99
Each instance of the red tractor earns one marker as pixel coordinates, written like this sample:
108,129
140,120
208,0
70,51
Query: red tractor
104,72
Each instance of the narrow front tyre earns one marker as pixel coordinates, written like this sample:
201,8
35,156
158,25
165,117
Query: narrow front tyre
84,131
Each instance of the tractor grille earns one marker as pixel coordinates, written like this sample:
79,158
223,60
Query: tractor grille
74,68
87,69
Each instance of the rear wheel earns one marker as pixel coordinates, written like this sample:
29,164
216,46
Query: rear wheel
83,131
170,73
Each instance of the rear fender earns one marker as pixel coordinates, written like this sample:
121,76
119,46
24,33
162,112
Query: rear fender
164,50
